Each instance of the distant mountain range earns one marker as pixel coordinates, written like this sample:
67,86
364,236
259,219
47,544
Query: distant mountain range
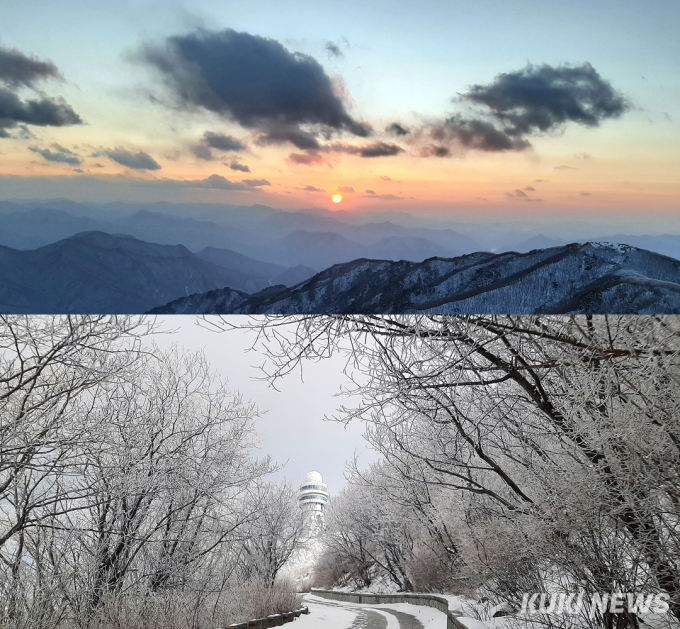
287,239
312,237
63,256
96,272
576,278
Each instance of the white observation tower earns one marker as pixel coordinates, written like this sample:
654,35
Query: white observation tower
313,498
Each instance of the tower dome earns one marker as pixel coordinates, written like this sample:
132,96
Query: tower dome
313,477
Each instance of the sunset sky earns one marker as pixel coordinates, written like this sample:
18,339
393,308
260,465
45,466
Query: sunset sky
458,107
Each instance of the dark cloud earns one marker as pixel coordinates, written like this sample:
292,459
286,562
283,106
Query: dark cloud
242,167
217,141
385,178
346,189
333,50
222,142
435,151
519,105
473,133
370,191
585,194
375,149
256,183
296,136
309,188
380,149
252,80
217,182
385,197
307,159
58,154
542,98
396,129
42,112
135,161
19,70
563,167
541,180
530,188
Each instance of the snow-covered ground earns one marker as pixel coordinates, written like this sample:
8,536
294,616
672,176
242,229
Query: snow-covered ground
322,616
326,614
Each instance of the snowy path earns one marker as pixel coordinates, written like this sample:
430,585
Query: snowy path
326,614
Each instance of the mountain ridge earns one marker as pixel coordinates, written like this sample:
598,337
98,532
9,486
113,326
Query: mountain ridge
592,277
98,272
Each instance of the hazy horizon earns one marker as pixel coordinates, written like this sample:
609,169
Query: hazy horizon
585,227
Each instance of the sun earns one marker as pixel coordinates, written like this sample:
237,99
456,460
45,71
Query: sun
337,198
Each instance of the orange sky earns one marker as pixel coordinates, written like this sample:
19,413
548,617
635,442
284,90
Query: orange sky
626,164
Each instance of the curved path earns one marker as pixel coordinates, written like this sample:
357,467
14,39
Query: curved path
327,614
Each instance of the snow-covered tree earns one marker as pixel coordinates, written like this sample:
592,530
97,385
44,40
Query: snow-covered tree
128,480
366,531
171,459
559,430
274,532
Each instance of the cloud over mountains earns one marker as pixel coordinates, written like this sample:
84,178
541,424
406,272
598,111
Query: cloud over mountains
541,98
19,71
218,182
57,153
254,81
281,97
522,104
129,159
218,141
286,97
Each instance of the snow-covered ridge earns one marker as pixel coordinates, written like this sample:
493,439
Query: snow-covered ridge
596,277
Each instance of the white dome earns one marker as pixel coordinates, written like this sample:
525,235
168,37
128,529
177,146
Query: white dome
313,477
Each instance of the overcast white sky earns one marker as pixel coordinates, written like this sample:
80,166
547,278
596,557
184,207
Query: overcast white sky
292,431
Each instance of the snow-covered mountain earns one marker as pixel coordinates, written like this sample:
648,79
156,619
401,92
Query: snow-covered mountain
592,278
